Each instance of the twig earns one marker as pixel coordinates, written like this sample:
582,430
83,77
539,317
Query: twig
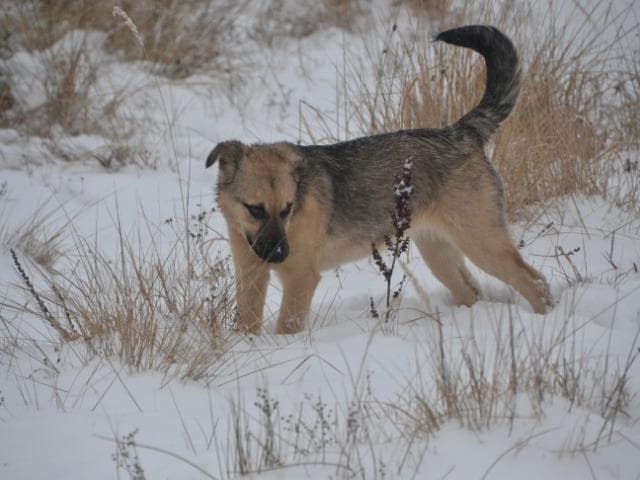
46,313
165,452
515,446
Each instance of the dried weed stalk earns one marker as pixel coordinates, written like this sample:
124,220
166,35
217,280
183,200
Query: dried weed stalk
399,243
126,456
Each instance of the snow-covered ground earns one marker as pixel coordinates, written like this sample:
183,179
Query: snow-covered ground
346,398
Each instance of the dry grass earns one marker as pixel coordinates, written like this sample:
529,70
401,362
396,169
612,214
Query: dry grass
277,21
36,238
507,376
68,86
69,42
624,115
433,10
7,101
555,140
74,101
482,382
36,25
66,78
180,37
154,306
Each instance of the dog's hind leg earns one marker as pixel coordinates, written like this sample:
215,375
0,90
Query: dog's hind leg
252,278
493,251
447,264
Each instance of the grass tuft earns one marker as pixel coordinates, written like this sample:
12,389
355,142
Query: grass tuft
163,308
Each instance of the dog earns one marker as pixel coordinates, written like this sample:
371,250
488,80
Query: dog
300,210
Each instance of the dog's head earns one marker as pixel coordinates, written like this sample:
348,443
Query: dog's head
257,188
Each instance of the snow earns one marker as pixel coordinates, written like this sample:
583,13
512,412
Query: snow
352,385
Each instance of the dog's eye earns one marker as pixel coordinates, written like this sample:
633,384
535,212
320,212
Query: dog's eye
287,210
257,211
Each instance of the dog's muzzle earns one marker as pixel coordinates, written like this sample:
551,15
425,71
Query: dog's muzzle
278,254
270,243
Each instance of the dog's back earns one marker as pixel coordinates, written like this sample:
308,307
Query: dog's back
361,171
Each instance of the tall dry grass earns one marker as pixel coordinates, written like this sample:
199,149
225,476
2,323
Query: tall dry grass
160,304
560,135
434,10
276,20
71,47
180,37
37,238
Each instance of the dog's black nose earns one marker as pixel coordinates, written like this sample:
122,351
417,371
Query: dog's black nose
279,253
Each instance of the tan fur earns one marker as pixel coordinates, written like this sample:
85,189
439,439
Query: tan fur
300,273
266,179
454,229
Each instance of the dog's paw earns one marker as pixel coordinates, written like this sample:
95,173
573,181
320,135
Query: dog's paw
289,326
545,302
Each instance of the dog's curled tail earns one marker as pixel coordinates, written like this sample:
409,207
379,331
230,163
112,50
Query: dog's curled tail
503,75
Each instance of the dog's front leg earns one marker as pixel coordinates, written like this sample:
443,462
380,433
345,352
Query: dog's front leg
252,278
298,287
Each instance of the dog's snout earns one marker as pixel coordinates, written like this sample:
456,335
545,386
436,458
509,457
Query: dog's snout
279,253
271,243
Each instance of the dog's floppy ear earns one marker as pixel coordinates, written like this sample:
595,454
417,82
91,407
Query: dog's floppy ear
227,153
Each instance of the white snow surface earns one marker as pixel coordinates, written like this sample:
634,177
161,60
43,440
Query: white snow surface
62,423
